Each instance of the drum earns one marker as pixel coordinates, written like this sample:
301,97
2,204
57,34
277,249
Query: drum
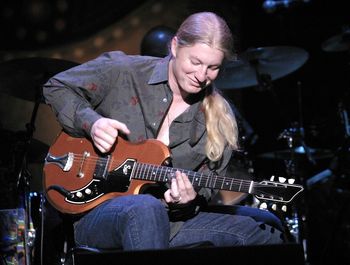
15,114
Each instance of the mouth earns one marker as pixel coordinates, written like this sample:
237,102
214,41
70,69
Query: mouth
197,84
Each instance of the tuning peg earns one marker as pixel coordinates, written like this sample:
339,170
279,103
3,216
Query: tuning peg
263,206
274,207
284,208
282,179
291,181
272,178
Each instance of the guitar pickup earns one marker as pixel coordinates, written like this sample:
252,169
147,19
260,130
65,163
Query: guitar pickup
101,168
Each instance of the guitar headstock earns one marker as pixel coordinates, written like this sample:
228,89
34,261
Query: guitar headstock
281,191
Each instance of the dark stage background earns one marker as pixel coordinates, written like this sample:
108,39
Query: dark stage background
310,103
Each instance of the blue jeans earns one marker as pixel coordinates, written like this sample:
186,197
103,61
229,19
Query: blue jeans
141,222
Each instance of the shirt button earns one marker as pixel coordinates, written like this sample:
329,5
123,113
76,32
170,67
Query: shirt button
165,100
154,124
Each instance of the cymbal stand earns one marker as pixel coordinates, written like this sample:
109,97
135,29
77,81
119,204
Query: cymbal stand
297,220
23,185
264,80
344,119
265,84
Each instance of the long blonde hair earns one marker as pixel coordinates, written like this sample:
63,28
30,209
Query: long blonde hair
221,125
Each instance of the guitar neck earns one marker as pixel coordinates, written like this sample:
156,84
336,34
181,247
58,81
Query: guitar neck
164,174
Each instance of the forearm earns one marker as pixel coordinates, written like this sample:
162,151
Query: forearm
72,110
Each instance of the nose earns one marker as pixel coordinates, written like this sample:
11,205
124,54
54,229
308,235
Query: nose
201,75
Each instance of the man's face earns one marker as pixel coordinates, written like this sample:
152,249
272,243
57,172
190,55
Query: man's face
195,67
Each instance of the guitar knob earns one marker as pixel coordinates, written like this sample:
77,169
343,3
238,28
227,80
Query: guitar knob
272,178
291,181
263,206
79,194
284,208
274,207
88,191
282,179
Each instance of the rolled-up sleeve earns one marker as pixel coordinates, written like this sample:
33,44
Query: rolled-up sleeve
75,93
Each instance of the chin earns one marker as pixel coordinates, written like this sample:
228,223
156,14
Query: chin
193,89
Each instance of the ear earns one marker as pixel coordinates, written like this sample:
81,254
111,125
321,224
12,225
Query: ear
173,46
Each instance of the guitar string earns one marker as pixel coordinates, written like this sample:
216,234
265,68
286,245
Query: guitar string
91,162
244,184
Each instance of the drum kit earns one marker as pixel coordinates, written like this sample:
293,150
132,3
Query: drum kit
259,68
23,79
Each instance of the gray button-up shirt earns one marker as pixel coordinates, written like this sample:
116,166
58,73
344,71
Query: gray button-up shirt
133,90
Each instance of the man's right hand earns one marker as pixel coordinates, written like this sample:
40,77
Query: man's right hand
105,131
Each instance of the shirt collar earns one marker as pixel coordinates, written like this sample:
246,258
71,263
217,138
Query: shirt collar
160,71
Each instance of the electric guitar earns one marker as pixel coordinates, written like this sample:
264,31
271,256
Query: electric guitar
77,177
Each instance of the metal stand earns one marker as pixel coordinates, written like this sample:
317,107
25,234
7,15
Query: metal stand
23,185
296,220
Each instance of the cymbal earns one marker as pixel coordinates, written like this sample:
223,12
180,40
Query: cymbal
275,62
37,151
15,142
338,43
299,153
23,78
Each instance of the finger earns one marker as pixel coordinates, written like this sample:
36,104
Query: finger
179,180
100,148
119,126
103,138
174,190
104,133
168,197
185,187
111,131
186,181
102,145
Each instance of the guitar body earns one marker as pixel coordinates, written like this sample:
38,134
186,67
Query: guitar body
82,159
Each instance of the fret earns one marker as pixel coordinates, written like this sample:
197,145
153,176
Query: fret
225,183
195,180
162,174
203,180
158,173
209,178
142,167
153,173
240,185
215,179
134,172
147,173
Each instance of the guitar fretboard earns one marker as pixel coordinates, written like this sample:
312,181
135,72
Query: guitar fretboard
164,174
